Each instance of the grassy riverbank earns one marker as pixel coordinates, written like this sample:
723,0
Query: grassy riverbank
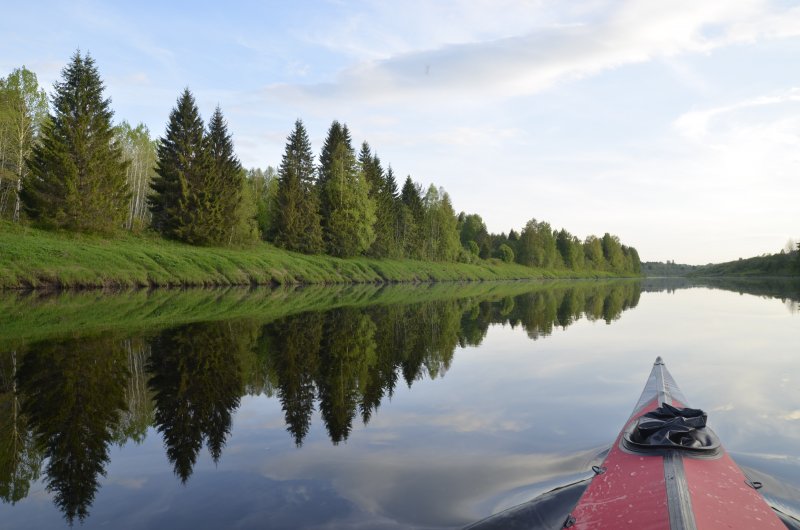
31,258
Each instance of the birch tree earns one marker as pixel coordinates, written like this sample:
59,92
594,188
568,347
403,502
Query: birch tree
139,149
23,110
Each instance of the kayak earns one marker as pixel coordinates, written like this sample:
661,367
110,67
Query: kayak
668,471
665,471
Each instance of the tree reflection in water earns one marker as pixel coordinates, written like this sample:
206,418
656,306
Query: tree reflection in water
66,400
71,392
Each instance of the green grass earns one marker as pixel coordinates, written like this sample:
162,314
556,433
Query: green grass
32,258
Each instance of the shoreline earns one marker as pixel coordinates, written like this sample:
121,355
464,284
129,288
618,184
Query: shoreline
34,259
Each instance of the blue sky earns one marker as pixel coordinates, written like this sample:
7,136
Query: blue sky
674,125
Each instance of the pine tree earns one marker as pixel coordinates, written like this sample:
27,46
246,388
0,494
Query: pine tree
78,178
348,213
296,212
180,202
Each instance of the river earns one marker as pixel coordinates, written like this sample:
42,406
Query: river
428,406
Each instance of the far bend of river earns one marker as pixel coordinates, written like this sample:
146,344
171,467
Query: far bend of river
425,406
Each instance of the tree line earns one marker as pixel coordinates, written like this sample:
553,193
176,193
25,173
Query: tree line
73,169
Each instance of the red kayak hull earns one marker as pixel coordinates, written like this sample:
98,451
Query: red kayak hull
670,490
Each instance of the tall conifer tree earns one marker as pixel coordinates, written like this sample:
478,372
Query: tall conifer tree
412,216
227,185
370,166
348,213
337,135
180,202
386,211
77,178
296,218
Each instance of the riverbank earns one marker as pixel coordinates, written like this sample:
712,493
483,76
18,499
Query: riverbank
33,259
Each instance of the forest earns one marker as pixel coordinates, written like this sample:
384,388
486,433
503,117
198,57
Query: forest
66,166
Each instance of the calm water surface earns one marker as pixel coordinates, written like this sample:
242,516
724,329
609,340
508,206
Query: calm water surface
366,407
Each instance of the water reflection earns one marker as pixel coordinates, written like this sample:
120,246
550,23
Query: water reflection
65,401
20,458
196,382
71,393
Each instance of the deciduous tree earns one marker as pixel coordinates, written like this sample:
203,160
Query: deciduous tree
139,149
23,111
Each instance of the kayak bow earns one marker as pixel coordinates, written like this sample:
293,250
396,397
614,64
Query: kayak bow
668,471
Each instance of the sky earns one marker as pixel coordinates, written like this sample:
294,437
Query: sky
673,125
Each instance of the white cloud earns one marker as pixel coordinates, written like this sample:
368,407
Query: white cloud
534,60
695,124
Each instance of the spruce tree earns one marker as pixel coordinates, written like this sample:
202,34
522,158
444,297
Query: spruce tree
180,202
337,134
370,166
390,202
412,219
296,218
77,172
348,212
386,210
236,221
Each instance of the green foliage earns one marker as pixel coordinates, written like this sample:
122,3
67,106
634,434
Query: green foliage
184,165
383,192
411,219
389,223
198,194
612,252
140,151
537,246
781,264
472,228
439,232
570,249
593,251
264,190
348,212
506,253
666,269
236,206
77,178
23,112
297,218
244,226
